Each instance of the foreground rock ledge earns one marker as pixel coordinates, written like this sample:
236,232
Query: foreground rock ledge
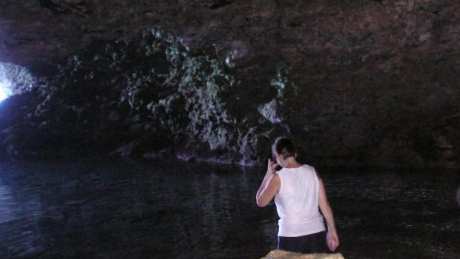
279,254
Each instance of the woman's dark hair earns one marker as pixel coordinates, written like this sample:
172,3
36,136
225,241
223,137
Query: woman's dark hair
284,147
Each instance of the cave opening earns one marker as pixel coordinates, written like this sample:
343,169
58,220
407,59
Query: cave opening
5,90
14,80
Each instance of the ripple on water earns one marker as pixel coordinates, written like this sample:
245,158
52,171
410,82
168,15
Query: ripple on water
458,196
120,210
6,204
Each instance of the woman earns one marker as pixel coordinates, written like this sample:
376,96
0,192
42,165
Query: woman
299,194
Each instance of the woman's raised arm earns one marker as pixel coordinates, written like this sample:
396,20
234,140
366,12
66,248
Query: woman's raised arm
269,186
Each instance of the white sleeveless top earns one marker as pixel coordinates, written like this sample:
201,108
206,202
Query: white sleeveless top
297,202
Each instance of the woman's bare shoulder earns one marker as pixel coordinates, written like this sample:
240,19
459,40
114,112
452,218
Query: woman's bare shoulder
308,166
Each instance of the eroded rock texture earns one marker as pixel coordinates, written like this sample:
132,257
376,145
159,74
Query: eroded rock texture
280,254
148,96
356,82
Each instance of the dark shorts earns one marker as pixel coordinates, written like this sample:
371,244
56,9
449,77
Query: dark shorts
314,243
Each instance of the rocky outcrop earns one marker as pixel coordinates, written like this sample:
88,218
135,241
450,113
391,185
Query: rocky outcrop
356,82
280,254
147,96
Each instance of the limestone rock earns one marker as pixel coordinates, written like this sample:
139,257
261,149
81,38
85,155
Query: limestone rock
356,82
280,254
270,111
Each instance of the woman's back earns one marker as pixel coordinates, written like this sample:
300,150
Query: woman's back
297,202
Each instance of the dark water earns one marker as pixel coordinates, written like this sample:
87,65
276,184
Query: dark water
106,209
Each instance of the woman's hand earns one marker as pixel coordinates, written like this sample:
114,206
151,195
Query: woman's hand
332,240
269,186
271,167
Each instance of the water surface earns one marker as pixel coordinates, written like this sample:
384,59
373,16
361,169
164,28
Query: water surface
113,209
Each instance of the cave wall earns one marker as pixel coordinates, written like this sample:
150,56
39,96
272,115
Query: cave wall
374,33
360,81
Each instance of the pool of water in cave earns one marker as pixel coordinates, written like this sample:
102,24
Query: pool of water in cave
110,209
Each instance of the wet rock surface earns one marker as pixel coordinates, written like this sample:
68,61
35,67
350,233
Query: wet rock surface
279,254
356,82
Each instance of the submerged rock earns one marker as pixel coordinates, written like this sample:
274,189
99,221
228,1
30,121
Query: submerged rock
280,254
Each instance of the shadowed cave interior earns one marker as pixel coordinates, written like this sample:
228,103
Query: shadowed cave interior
142,128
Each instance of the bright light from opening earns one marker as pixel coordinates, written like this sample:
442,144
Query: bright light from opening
4,91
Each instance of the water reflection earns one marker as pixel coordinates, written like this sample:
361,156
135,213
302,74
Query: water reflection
20,212
106,209
6,204
458,196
